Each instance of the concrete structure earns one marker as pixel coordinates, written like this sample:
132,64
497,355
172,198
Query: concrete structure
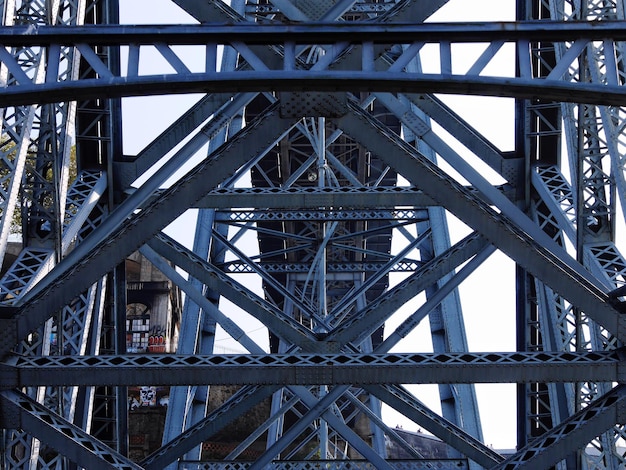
323,159
153,308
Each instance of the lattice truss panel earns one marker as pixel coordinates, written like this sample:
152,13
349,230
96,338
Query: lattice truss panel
326,160
582,213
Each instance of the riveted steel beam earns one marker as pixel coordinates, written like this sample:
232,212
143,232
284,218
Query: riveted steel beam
316,197
312,33
321,81
399,398
573,433
125,231
316,369
552,265
62,435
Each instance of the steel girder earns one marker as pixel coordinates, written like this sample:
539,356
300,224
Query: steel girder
361,74
323,203
54,430
314,369
583,214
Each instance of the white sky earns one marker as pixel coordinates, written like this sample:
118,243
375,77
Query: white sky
487,296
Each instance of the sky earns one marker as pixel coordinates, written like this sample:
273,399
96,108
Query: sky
487,296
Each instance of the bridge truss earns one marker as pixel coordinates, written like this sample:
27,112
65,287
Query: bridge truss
324,159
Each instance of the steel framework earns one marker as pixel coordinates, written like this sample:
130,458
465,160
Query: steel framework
324,159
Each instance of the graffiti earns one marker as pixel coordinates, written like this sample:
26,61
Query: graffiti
148,396
156,340
158,330
133,403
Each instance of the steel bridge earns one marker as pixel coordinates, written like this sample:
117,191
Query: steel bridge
325,158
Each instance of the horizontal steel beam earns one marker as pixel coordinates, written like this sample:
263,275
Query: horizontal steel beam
311,33
335,271
322,81
279,72
315,197
323,215
314,369
417,464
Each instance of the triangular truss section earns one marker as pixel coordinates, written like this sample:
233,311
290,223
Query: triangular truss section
324,170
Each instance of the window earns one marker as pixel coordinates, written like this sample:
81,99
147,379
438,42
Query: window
137,328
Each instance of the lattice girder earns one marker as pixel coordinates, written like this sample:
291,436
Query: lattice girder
61,434
262,76
331,97
314,369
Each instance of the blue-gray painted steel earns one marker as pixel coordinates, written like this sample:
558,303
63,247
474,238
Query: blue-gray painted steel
332,106
315,369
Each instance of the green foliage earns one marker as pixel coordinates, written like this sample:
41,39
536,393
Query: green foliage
8,148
